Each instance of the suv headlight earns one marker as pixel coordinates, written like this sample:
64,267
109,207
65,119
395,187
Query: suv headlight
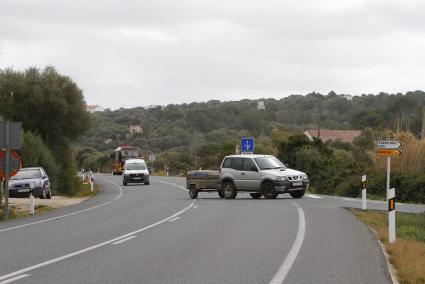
280,178
304,176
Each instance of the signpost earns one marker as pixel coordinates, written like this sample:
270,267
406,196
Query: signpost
247,145
390,148
10,138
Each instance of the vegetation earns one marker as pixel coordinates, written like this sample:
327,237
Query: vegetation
51,108
406,255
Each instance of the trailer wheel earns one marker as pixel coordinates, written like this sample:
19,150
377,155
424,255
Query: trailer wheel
193,193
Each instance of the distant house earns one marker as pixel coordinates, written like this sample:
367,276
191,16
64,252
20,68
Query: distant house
333,135
260,105
94,108
347,97
134,129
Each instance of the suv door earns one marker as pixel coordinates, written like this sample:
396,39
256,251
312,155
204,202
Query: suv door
250,175
236,171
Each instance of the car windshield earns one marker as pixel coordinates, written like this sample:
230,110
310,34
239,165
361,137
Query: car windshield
130,153
268,163
27,174
132,167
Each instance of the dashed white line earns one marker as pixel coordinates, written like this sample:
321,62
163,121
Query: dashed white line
292,255
174,219
313,196
46,263
14,278
124,240
69,214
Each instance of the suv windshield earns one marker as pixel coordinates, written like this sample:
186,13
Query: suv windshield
27,174
268,163
132,167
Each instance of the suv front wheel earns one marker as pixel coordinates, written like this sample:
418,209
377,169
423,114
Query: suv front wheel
229,190
297,193
268,190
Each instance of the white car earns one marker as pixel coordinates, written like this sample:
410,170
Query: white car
135,171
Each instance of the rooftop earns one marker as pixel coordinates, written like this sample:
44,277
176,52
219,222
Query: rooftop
333,134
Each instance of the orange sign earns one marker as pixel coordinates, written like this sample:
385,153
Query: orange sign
15,163
389,152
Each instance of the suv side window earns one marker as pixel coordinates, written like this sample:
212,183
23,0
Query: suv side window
248,165
227,163
237,164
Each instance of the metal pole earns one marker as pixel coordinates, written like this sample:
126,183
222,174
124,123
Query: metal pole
6,174
388,175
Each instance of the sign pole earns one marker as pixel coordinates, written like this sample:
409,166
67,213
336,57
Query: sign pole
388,175
6,174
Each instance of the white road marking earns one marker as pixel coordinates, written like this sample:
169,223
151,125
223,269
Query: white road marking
292,255
124,240
173,184
313,196
15,278
69,214
46,263
196,206
174,219
359,200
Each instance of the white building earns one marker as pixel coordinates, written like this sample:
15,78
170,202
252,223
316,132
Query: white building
94,108
261,105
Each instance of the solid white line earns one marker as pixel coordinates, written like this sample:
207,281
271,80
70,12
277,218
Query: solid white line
123,240
69,214
15,278
292,255
174,219
313,196
173,184
45,263
196,206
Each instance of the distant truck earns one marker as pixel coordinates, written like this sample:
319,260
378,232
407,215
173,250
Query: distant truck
120,155
260,175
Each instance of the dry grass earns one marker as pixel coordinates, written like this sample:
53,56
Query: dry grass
407,255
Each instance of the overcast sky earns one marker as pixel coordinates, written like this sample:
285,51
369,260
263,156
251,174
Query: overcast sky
139,53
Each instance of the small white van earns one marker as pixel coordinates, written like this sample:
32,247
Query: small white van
135,171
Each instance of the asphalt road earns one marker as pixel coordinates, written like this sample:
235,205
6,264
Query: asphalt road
156,234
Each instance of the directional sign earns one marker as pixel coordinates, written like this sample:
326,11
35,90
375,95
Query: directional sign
247,145
389,144
390,152
15,163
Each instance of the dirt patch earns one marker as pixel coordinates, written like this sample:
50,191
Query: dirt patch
21,204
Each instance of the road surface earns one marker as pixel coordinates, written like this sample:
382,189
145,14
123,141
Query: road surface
156,234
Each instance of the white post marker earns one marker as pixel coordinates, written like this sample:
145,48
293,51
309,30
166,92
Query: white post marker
364,186
391,216
91,181
32,199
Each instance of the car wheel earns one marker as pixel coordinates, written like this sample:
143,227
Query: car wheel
49,194
255,195
193,193
220,193
268,190
229,190
146,183
124,182
297,193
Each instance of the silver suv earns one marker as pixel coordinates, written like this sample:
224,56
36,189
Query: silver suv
260,175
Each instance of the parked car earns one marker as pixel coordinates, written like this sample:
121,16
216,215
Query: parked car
135,171
21,184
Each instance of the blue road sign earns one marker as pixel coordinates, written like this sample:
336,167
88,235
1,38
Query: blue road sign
247,145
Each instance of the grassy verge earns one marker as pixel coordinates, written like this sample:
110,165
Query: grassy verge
84,190
407,255
17,212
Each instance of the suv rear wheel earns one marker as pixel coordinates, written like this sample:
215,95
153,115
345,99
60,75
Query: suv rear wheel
229,190
297,193
220,193
268,190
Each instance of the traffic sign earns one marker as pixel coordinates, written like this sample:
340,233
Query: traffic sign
389,152
11,130
247,145
15,163
389,144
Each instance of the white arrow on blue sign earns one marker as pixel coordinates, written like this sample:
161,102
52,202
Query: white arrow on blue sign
247,145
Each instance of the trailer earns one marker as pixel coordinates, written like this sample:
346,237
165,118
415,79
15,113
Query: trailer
203,181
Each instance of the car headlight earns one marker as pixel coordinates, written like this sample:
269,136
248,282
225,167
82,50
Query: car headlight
304,176
280,178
